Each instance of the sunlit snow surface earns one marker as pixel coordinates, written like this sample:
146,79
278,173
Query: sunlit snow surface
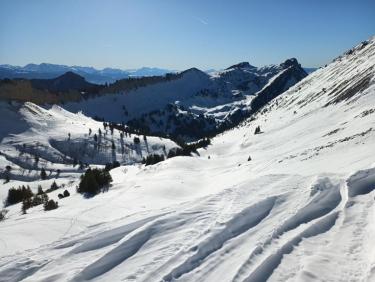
302,209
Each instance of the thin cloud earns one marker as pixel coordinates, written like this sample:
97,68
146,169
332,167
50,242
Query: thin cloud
202,21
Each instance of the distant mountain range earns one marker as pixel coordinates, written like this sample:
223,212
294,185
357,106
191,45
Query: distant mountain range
47,71
106,75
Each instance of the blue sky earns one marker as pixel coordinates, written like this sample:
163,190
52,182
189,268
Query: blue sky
178,34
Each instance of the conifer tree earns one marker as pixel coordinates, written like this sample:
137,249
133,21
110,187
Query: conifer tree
43,174
40,190
54,186
25,206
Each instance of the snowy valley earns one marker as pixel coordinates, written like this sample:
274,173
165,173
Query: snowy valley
192,104
293,202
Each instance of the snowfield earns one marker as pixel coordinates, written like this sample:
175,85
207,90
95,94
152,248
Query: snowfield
302,209
60,139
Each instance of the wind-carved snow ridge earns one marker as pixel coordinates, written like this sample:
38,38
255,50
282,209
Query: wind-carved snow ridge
21,270
110,237
362,182
238,225
325,198
264,271
129,247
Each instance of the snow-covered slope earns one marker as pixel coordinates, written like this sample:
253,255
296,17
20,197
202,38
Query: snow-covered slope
32,138
301,208
142,100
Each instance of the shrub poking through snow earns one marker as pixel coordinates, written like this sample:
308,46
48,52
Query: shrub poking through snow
153,159
257,130
64,195
50,205
94,180
3,213
136,140
18,195
110,166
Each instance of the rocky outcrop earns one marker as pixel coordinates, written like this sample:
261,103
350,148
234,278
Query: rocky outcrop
291,74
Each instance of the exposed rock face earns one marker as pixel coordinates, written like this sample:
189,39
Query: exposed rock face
292,73
241,65
292,62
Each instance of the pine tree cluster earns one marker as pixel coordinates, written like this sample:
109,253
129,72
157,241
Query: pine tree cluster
17,195
153,159
187,149
34,201
93,181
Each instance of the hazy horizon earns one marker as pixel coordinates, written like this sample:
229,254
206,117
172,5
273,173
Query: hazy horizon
140,67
